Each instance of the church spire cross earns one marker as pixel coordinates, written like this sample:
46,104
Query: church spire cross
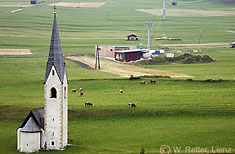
54,9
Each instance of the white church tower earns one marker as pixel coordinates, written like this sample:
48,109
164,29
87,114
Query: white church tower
47,128
55,95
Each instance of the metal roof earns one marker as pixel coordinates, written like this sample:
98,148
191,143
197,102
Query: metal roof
30,126
129,51
34,121
55,58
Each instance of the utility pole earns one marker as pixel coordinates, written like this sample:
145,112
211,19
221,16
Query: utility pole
164,13
97,58
149,25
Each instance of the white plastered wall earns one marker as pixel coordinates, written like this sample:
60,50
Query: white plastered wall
54,113
65,112
28,142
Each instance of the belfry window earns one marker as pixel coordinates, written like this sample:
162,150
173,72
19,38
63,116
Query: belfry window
53,92
65,92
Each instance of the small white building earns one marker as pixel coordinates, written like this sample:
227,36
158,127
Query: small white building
30,134
170,55
232,45
47,128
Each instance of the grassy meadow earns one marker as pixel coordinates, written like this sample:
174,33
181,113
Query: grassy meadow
174,112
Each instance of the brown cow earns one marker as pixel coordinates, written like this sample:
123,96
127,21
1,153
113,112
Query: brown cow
74,90
131,105
142,82
152,81
88,104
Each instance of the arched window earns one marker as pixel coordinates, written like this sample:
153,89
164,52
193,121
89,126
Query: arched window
53,92
65,92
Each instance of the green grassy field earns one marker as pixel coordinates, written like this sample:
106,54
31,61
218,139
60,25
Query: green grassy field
173,112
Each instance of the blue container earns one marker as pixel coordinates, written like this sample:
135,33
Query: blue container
157,52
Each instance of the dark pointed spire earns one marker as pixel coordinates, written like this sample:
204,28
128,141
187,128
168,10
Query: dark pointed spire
55,58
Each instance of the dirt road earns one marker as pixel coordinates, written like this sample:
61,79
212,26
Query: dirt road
89,5
125,70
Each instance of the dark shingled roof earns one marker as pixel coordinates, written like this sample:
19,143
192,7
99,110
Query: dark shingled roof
55,58
30,126
132,35
34,121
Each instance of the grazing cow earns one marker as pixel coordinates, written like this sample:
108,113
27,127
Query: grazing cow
74,90
88,104
142,82
131,105
81,94
152,81
121,91
80,89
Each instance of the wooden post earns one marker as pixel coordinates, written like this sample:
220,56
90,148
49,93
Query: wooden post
96,56
98,53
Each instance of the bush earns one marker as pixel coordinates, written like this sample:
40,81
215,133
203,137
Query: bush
183,59
142,151
134,78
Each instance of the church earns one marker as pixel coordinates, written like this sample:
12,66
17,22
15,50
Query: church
47,128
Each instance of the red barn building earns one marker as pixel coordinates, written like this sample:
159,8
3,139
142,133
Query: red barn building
129,55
